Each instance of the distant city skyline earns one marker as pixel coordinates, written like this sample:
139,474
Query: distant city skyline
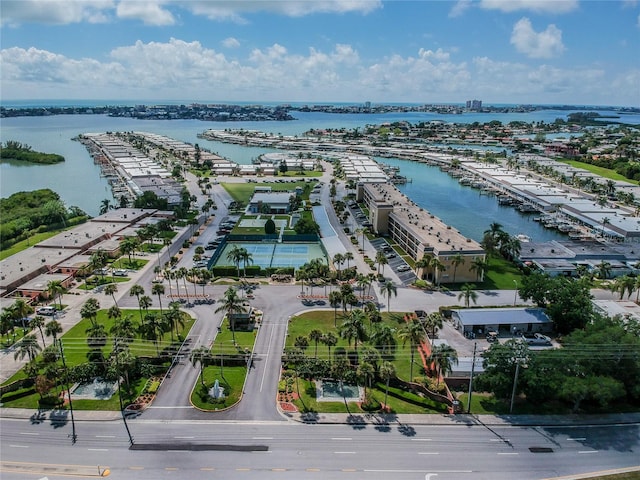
322,51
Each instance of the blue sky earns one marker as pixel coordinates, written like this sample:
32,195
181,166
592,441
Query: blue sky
499,51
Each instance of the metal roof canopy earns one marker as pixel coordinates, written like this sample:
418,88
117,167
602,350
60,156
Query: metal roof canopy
501,316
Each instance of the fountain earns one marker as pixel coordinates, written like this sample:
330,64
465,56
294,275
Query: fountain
98,389
216,392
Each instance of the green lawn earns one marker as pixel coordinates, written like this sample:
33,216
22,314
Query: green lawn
399,401
603,172
242,192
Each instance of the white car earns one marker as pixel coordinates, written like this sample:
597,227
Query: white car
404,268
536,339
120,272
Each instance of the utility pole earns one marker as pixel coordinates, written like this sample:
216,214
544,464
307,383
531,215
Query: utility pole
473,366
515,384
74,437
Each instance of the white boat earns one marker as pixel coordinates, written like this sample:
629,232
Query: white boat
523,238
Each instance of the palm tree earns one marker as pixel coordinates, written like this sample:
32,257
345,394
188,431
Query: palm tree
413,333
624,284
90,309
434,322
234,255
330,340
352,329
335,300
366,372
21,310
468,294
389,289
38,322
387,370
443,357
96,334
53,329
604,269
338,259
423,264
315,335
348,257
362,281
383,338
27,347
173,318
438,267
381,260
246,257
144,303
111,289
183,273
56,289
158,289
152,328
124,329
105,206
480,266
232,305
456,261
136,291
128,246
200,356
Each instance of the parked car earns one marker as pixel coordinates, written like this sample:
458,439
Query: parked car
391,255
48,311
536,339
404,268
120,272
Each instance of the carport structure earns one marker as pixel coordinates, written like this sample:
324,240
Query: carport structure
506,321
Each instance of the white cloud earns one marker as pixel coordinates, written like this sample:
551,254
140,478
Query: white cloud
56,12
460,7
231,42
538,6
151,13
190,71
546,44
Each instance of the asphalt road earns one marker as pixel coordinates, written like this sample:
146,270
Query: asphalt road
279,450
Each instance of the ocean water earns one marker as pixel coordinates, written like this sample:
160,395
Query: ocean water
78,180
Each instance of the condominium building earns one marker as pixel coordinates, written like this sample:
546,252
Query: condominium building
422,235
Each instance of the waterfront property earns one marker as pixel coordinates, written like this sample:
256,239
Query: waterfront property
421,234
273,254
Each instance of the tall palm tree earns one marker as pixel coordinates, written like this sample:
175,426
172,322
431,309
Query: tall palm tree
338,259
352,329
604,269
362,281
382,260
234,255
457,260
27,347
330,340
348,256
383,338
315,336
90,309
144,303
468,293
438,268
21,310
158,289
387,370
124,329
111,289
152,329
128,247
434,322
200,356
56,289
174,318
480,266
53,329
423,265
232,305
335,300
413,333
105,206
247,258
183,273
443,357
387,290
366,372
137,291
38,322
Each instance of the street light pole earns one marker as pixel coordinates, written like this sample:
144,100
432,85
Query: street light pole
515,384
515,294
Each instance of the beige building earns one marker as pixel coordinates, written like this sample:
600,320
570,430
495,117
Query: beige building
421,234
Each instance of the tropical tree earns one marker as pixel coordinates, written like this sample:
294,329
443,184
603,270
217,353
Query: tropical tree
411,332
234,255
158,289
348,256
480,266
97,261
382,260
137,291
246,258
468,293
232,305
363,281
38,322
315,336
457,260
53,329
105,206
27,347
352,329
144,303
387,371
433,322
56,289
152,329
173,318
443,357
335,300
604,269
128,247
387,290
338,259
200,356
124,329
330,340
383,338
90,309
438,268
111,289
367,373
20,311
423,265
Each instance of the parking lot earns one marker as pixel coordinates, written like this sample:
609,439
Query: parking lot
396,263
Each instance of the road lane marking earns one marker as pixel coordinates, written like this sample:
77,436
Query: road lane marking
345,453
136,468
19,446
587,451
262,438
421,440
207,469
98,449
185,438
508,453
105,436
341,438
428,453
577,439
312,469
29,433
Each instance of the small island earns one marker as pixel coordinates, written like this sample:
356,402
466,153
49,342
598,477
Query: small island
13,150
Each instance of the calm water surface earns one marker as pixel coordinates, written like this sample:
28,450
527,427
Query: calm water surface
78,180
